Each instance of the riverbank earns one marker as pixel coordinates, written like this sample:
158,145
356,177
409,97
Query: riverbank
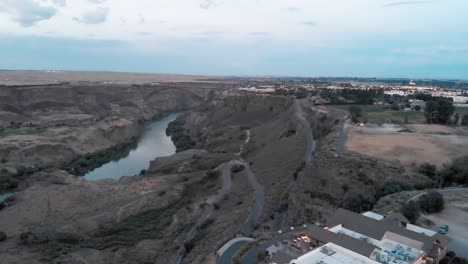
79,127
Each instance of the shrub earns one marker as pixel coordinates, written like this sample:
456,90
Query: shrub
362,177
179,137
212,174
3,236
456,172
358,203
355,112
262,255
206,223
394,187
439,111
237,168
411,211
432,202
428,169
28,237
464,120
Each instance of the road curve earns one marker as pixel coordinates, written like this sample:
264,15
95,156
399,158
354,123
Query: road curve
442,191
343,138
226,171
256,211
310,138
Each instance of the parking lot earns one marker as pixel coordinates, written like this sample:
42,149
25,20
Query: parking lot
456,217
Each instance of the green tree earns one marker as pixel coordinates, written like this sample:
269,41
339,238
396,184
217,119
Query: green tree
355,112
432,202
406,121
455,172
411,211
358,203
464,120
262,255
391,187
456,119
439,111
428,169
395,106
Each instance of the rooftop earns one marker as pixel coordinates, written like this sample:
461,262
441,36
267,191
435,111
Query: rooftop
391,251
378,230
332,254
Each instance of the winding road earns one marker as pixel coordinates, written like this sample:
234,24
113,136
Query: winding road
226,252
310,138
343,138
442,191
256,211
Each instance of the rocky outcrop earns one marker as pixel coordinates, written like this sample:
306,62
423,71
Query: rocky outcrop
52,125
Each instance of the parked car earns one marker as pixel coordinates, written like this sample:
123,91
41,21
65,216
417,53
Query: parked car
443,229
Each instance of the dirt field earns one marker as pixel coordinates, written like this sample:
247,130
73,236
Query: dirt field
434,144
432,129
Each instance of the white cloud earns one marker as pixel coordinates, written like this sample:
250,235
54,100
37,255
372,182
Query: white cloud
206,4
97,1
61,3
333,23
97,16
26,12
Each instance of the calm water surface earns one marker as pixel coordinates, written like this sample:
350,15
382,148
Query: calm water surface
4,196
152,144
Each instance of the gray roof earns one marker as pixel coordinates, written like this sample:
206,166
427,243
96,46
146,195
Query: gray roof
376,229
325,236
395,217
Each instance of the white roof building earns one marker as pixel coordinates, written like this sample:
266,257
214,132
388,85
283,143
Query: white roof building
332,254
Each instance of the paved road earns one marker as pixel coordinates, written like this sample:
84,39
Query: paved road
256,211
442,191
343,138
231,251
310,138
457,220
226,169
250,256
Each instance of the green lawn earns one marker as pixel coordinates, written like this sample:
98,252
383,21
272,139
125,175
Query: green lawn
379,114
461,111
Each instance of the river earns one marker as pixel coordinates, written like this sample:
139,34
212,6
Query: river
153,143
4,196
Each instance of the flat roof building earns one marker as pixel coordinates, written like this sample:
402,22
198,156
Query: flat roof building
373,237
332,254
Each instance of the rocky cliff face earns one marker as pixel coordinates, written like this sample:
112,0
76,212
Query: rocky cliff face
50,125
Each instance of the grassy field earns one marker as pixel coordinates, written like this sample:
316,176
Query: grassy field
379,114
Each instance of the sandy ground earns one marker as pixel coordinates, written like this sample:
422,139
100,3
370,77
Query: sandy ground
388,144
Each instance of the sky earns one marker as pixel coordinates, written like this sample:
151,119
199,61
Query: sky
363,38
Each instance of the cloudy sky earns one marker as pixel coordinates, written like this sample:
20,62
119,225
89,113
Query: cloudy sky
383,38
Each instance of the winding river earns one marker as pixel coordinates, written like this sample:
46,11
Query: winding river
153,143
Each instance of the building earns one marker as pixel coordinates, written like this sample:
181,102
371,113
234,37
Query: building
332,254
381,239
